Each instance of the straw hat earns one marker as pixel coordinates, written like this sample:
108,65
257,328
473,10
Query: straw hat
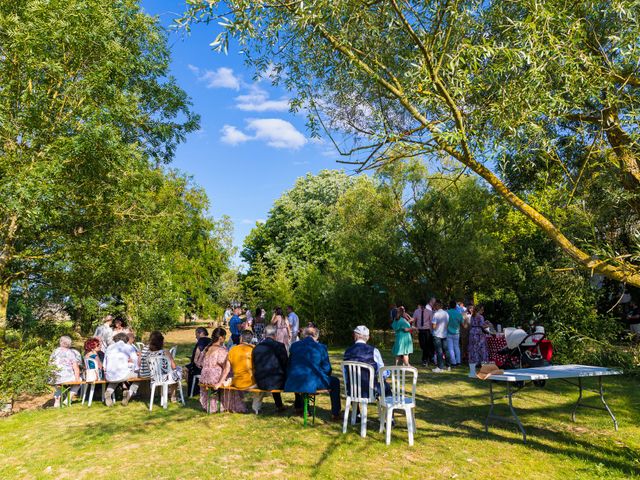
487,370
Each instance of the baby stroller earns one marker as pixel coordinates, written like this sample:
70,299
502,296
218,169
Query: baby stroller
526,350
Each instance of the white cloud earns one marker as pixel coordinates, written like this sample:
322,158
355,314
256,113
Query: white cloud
232,136
275,132
223,77
257,100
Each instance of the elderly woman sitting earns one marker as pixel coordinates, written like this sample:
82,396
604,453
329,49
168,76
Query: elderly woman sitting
66,362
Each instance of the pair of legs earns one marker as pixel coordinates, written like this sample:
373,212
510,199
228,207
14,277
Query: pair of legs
426,345
256,404
73,390
453,346
334,394
403,360
129,389
438,345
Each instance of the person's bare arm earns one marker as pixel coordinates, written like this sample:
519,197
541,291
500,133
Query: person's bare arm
171,360
76,371
225,373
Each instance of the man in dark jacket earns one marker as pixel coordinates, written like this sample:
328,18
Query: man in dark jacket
270,365
309,370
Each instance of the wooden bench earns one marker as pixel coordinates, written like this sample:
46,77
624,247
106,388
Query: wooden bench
65,388
308,398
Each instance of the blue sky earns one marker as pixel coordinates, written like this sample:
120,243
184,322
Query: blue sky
250,148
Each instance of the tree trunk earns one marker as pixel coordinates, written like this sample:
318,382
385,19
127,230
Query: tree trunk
4,302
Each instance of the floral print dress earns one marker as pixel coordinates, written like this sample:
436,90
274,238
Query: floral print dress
212,368
478,352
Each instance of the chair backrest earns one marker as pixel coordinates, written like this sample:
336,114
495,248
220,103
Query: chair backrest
139,346
398,383
91,374
173,350
160,369
354,375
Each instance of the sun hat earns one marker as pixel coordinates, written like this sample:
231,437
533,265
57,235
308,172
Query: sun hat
361,330
487,370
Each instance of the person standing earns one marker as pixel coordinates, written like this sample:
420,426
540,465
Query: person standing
234,326
478,352
393,312
439,325
283,329
403,343
258,324
453,334
104,333
294,323
422,320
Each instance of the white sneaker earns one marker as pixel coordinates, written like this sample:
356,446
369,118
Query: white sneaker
437,370
448,369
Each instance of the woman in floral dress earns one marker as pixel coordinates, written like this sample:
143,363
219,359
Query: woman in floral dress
215,370
66,368
478,352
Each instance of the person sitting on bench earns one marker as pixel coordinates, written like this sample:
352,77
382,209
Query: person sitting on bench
120,361
270,365
309,370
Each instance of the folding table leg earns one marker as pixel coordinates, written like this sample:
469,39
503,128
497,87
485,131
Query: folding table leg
601,391
578,403
513,412
486,422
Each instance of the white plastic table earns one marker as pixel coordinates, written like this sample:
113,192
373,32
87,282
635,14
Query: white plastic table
554,372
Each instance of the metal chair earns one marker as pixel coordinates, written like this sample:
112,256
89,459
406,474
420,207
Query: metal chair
195,380
359,389
399,399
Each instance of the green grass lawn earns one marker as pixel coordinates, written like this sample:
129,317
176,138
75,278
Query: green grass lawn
185,443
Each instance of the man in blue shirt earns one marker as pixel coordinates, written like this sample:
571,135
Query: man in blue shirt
234,326
294,323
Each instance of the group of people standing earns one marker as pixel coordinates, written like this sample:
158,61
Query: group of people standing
446,337
287,326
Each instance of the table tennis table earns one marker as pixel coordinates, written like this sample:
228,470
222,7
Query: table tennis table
517,379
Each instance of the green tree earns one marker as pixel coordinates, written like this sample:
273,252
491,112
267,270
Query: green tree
495,86
87,115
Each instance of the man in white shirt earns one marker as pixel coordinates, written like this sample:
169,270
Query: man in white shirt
120,362
294,323
439,325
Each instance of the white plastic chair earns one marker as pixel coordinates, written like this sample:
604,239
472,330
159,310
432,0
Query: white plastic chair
399,399
139,346
160,369
352,373
196,379
173,350
92,375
